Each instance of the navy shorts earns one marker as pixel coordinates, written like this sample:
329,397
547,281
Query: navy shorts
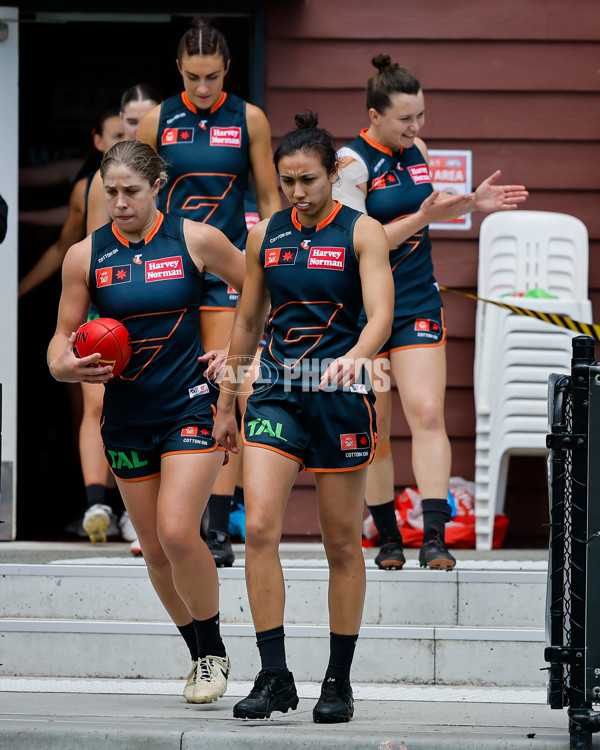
321,430
134,452
217,295
415,330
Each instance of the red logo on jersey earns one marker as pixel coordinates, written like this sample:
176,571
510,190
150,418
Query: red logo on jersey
281,256
332,258
177,135
226,137
422,324
189,432
353,441
305,244
202,124
113,275
420,173
164,269
231,291
390,179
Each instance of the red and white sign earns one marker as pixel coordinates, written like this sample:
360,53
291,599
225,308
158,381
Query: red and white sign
332,258
226,137
189,431
164,269
451,172
419,173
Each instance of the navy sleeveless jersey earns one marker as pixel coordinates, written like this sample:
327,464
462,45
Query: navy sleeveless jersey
154,288
315,289
207,163
398,183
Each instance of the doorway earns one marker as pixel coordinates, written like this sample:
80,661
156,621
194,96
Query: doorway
73,66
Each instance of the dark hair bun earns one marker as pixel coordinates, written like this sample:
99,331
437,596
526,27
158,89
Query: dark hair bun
382,62
306,119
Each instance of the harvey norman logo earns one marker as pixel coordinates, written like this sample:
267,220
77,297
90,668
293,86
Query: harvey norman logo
226,137
420,173
327,257
164,269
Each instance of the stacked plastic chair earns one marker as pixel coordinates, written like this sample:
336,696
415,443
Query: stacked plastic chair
520,251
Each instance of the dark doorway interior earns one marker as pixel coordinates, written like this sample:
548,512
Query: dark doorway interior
69,72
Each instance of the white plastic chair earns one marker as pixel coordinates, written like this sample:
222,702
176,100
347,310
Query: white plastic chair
514,354
523,250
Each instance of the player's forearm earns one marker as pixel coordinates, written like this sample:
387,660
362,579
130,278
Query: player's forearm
47,266
403,229
373,336
241,356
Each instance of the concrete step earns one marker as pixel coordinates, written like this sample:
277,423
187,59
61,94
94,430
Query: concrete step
154,650
476,594
481,624
137,716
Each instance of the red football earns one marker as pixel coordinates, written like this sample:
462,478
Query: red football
108,337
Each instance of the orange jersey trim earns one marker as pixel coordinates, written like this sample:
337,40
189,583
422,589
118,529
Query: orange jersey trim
220,103
270,448
147,238
193,108
378,146
275,450
138,479
327,220
206,308
192,450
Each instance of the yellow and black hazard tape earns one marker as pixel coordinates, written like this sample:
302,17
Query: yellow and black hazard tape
555,319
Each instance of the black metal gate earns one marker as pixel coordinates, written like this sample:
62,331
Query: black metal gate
573,597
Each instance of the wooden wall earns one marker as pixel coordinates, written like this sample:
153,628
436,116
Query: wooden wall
517,83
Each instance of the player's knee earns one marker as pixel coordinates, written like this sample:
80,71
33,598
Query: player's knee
260,531
342,550
175,542
154,555
428,415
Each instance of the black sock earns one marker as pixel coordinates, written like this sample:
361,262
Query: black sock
238,496
95,494
341,653
218,513
384,517
271,646
189,636
208,637
436,513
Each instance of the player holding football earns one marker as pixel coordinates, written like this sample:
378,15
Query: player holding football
147,270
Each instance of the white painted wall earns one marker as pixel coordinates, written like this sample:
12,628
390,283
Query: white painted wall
9,170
